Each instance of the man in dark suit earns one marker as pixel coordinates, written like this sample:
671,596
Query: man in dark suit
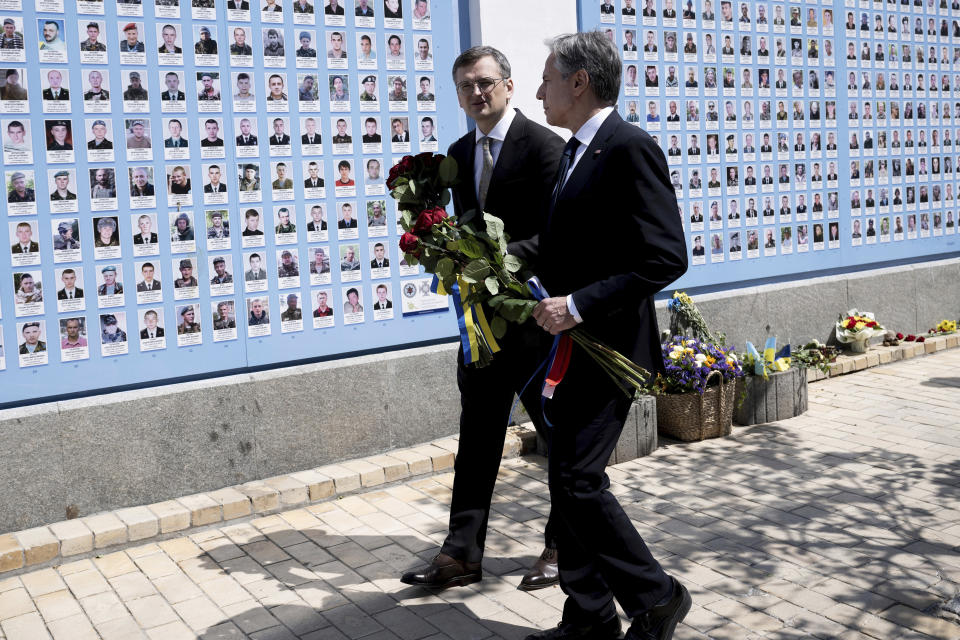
602,556
505,168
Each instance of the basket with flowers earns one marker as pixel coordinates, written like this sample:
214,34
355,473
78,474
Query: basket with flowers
695,397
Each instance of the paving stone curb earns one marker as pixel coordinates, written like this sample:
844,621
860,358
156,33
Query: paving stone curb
878,355
51,545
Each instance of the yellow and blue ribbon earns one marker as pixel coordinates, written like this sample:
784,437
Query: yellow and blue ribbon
471,320
771,360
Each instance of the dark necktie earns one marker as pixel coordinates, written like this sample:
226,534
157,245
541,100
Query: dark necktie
566,161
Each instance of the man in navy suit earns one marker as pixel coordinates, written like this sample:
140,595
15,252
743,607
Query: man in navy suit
608,165
505,167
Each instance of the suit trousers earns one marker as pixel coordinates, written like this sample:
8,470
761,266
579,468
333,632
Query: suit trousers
601,554
486,396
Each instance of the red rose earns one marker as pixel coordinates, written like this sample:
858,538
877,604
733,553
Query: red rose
423,223
409,243
438,213
899,336
921,339
406,164
425,158
437,159
428,218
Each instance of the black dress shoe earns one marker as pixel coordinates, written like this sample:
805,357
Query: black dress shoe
444,571
544,573
659,622
607,630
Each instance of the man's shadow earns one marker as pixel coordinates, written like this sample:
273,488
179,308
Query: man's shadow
312,584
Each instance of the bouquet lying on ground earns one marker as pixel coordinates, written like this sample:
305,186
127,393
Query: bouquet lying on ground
468,258
857,326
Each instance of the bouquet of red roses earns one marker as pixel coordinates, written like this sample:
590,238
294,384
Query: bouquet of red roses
468,258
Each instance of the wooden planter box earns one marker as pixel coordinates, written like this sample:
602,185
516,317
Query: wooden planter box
782,396
639,435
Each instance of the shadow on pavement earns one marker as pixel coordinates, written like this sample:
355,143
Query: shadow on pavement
314,585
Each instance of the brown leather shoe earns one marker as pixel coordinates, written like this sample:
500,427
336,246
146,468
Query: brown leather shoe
544,572
444,571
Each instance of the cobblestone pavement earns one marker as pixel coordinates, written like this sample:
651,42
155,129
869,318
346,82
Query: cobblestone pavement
842,523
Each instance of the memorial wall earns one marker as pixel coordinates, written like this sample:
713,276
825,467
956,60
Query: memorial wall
800,136
195,186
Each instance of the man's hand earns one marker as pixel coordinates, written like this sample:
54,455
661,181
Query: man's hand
553,316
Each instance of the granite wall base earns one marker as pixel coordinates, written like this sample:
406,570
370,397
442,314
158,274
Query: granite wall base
139,447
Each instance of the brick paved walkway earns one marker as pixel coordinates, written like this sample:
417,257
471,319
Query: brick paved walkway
843,523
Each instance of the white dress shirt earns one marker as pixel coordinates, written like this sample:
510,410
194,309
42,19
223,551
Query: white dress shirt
585,134
497,135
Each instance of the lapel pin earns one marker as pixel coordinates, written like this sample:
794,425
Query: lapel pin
597,152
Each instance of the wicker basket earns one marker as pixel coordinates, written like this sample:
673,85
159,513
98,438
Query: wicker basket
691,416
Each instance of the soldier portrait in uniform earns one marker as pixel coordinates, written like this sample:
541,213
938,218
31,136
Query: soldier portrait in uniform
186,279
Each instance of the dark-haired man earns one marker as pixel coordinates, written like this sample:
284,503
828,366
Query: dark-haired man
506,167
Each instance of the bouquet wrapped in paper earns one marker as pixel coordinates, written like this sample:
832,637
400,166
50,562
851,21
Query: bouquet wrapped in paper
857,327
468,258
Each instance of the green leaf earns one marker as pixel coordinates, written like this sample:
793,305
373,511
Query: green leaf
471,247
494,226
411,260
476,270
445,267
453,245
407,219
444,197
512,263
448,282
413,187
511,309
499,327
529,306
466,217
496,300
447,171
493,285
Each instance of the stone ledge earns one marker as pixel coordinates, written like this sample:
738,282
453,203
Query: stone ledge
880,355
50,545
104,532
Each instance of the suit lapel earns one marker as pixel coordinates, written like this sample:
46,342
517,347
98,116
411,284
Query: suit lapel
584,169
462,152
514,148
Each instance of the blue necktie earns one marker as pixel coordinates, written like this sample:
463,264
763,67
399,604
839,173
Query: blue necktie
565,163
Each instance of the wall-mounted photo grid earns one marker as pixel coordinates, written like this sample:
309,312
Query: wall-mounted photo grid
192,178
800,135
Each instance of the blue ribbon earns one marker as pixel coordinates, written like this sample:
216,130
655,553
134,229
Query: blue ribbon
468,355
539,293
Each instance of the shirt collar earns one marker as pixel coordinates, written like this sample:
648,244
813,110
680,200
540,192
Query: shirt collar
499,131
588,129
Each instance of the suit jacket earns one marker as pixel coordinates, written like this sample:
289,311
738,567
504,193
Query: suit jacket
34,248
624,172
144,333
251,141
138,239
62,294
142,286
63,95
522,179
519,189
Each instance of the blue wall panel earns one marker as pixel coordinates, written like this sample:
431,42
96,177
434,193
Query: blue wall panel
35,376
